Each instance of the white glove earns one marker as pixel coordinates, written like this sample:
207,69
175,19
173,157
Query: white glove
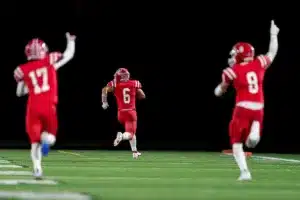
218,91
104,106
70,37
274,30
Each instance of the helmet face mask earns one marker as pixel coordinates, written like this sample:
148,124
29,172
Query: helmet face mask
233,52
231,61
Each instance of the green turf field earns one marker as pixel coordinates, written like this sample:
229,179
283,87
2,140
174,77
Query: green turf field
115,175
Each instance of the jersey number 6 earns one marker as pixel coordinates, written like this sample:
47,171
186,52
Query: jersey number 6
126,96
252,82
39,73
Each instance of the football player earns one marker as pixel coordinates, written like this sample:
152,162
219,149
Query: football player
37,78
126,91
246,74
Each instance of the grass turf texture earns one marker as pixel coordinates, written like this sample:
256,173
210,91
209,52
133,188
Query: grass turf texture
115,175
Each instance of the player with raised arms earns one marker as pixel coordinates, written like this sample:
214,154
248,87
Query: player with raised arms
125,90
246,73
37,77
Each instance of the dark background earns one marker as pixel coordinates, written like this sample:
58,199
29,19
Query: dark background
176,50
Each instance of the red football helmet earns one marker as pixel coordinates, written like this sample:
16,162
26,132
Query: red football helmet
240,52
122,74
36,49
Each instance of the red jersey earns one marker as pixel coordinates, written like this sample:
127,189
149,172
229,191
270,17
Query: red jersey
40,78
247,79
125,93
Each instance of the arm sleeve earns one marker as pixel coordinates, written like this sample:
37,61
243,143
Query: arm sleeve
67,55
18,74
137,84
228,75
111,84
264,61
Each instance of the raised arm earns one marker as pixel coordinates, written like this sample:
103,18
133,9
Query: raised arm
266,60
68,53
273,46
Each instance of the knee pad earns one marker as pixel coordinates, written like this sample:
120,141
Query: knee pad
254,135
48,138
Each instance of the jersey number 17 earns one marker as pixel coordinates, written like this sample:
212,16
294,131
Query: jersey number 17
39,73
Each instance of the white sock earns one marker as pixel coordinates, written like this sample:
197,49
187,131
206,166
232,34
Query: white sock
239,156
126,136
39,156
133,143
36,156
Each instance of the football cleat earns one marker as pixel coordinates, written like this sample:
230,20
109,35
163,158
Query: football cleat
118,139
38,175
136,155
45,149
245,176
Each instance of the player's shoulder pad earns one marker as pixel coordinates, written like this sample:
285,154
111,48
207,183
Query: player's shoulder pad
137,84
55,56
230,73
263,60
111,84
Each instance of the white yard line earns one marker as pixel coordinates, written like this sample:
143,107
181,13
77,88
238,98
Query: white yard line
276,159
44,196
15,173
7,164
10,166
270,158
29,182
70,153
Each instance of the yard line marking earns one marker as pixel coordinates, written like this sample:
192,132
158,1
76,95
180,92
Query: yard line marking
71,153
10,166
170,180
4,162
199,170
44,195
277,159
15,173
30,182
273,158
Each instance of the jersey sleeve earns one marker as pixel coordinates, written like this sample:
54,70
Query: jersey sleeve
18,74
228,75
263,61
111,84
137,84
54,57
